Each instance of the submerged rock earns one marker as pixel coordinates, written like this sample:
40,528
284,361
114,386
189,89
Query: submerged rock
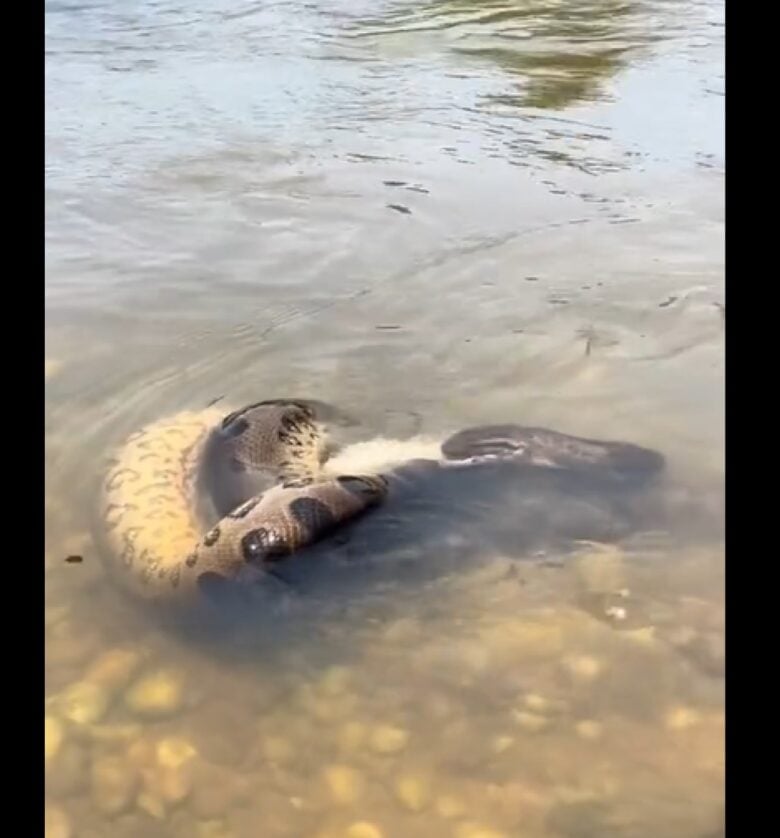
345,784
335,681
386,739
114,733
352,736
152,804
216,789
588,729
67,772
113,669
156,695
448,806
53,736
681,718
412,792
473,830
173,777
114,784
51,367
583,667
531,722
56,823
364,829
173,752
278,749
84,703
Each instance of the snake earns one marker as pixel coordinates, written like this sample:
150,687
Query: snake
209,495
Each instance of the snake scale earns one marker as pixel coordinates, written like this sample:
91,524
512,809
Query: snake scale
202,495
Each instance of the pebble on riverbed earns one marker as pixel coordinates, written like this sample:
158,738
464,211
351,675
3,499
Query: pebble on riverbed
156,695
531,722
68,643
335,681
152,804
412,792
473,830
364,829
112,734
448,806
84,703
173,777
501,744
534,638
680,718
352,736
114,784
583,667
328,707
215,790
53,735
113,669
56,823
386,739
588,729
345,784
537,703
277,749
67,772
214,828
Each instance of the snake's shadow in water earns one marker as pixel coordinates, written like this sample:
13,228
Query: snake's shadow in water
437,521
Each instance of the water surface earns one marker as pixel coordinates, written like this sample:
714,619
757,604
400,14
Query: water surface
433,214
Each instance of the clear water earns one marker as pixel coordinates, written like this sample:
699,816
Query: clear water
432,214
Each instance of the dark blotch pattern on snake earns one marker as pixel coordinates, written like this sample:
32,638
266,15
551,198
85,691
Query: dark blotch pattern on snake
200,499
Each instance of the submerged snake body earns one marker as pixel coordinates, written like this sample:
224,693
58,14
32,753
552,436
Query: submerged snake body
197,498
258,472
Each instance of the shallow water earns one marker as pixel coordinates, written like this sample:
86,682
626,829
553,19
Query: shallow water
432,214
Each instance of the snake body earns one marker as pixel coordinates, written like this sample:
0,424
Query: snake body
202,496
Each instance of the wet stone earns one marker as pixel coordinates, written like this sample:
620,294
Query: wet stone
68,772
156,695
56,822
114,784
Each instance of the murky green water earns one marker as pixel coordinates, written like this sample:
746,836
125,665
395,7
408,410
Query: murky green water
433,214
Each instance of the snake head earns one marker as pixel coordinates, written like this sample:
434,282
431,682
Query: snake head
276,523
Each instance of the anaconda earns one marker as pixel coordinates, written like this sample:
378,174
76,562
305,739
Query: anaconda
204,496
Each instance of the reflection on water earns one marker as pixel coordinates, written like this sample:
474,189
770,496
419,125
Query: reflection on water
434,215
559,52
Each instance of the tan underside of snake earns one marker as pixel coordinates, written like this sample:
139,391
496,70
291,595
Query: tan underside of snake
148,507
